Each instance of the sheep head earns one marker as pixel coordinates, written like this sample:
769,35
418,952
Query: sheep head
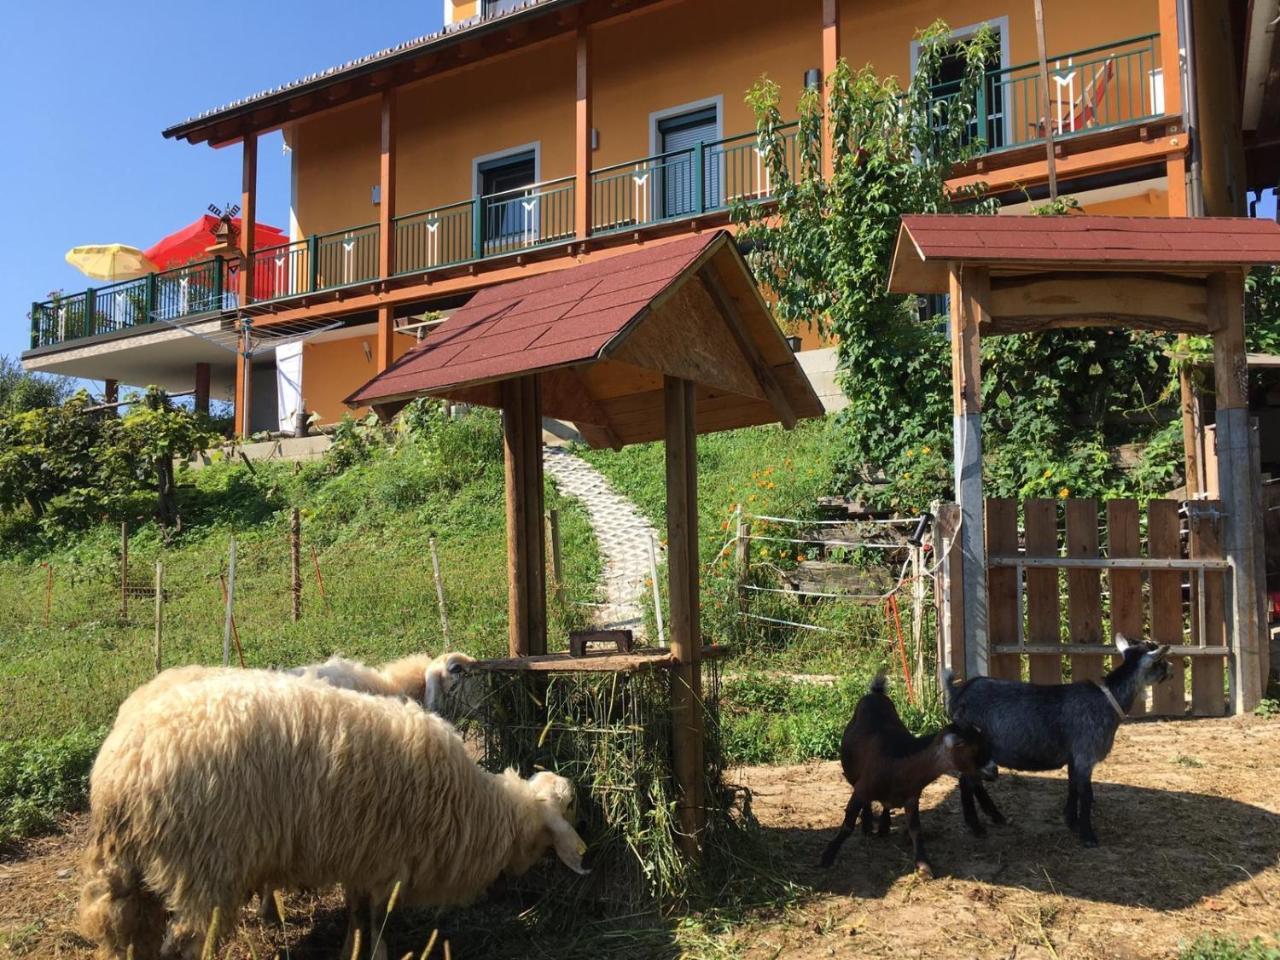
554,810
442,675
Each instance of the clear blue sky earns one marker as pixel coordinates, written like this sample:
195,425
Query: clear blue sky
87,88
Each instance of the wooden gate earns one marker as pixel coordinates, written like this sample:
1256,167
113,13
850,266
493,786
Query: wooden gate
1071,570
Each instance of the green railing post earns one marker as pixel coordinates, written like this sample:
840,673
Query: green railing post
313,262
981,127
89,308
149,299
35,324
699,200
219,278
477,228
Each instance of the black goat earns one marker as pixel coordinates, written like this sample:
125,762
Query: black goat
1047,727
885,764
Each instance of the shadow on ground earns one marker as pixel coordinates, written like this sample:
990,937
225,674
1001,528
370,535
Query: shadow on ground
1163,850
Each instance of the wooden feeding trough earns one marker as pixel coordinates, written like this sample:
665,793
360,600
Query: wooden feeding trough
1026,274
658,344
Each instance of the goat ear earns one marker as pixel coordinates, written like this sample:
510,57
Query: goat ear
569,846
950,739
1162,651
1122,642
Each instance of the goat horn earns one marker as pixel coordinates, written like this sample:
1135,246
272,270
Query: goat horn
1162,650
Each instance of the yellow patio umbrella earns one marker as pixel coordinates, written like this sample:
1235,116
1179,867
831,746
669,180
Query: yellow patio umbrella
110,261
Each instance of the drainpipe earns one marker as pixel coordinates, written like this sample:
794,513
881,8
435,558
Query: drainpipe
1191,108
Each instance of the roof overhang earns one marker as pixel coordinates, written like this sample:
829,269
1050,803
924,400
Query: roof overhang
602,337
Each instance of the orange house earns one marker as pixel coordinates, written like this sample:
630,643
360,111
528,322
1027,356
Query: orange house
530,135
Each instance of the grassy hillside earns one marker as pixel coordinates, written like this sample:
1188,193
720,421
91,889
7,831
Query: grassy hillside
369,510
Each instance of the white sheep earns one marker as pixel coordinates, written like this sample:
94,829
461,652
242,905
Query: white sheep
224,784
417,677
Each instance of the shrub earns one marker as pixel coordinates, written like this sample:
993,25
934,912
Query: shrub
43,776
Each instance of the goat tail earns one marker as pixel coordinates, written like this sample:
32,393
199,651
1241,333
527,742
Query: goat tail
879,685
116,910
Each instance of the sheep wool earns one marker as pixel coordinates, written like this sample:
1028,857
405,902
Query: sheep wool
225,783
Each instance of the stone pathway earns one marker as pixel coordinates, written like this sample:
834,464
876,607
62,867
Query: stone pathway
623,535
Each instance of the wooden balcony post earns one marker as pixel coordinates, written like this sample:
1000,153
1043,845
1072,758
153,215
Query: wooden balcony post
830,57
685,627
526,540
202,387
1240,489
244,382
248,215
582,148
387,226
970,297
1170,57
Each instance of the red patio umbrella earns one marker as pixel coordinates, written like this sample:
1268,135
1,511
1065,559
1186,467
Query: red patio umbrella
191,242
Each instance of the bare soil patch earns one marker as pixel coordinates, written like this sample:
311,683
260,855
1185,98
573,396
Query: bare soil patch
1188,814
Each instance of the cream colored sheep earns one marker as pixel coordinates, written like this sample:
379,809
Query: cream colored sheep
417,677
224,784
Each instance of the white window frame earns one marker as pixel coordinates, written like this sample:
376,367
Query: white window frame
999,24
536,148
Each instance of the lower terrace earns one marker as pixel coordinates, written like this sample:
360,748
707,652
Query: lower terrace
1097,95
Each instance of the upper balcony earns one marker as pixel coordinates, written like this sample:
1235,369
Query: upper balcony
1112,87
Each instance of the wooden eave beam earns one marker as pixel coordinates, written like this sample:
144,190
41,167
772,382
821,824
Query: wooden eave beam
773,391
1150,301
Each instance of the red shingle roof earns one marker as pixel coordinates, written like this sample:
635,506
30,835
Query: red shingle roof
547,321
926,243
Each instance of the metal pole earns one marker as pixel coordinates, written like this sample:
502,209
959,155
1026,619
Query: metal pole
124,571
657,592
295,561
444,615
1048,122
231,599
159,612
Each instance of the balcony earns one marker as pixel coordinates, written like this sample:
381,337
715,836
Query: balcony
1090,91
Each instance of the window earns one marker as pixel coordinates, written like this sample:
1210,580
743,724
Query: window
491,8
679,139
992,127
507,217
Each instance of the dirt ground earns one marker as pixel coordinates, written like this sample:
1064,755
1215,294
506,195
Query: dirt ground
1188,814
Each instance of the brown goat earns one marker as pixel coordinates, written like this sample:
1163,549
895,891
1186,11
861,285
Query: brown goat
886,764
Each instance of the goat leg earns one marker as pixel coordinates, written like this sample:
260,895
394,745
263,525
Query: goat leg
970,811
988,805
1073,798
884,822
867,816
1087,836
851,812
917,838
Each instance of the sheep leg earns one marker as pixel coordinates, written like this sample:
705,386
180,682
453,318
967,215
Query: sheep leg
267,910
1073,797
851,812
988,805
359,917
1087,836
917,838
970,811
884,822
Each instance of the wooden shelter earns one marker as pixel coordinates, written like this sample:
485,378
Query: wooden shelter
1023,274
663,343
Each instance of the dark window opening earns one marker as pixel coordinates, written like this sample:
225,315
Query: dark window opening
680,140
990,102
506,215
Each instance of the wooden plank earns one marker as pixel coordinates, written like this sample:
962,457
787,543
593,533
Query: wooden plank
950,590
1208,695
685,628
970,294
1159,302
1126,585
526,550
1002,587
738,331
647,658
1164,540
1044,608
1084,588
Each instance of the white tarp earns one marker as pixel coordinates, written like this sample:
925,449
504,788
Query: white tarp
288,385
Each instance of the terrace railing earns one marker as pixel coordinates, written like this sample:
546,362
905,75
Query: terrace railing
705,178
1094,89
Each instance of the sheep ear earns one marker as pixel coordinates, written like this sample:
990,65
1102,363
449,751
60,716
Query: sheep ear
949,740
569,846
1122,642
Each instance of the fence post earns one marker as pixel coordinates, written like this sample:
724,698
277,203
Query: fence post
313,263
699,192
231,599
159,613
557,561
657,592
295,561
435,572
35,324
48,591
477,228
315,562
743,551
124,571
90,307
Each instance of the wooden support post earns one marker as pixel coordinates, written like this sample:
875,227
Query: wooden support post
557,560
1046,101
387,226
110,391
124,571
295,561
202,387
526,542
435,573
685,626
830,59
582,144
970,295
1239,486
159,649
248,215
1170,63
244,381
